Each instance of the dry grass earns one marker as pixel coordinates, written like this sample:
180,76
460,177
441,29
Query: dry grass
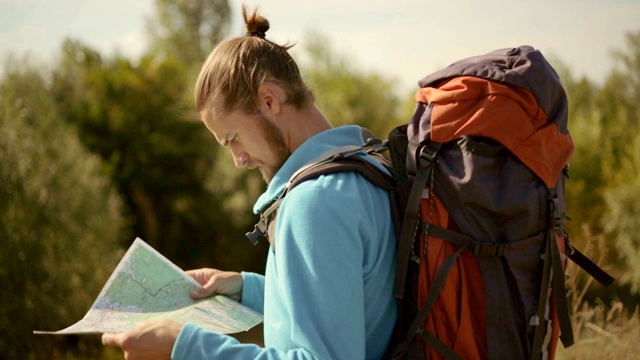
601,331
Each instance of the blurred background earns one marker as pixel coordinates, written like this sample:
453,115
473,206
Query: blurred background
99,142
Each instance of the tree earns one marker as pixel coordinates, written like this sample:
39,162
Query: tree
138,117
59,223
604,182
587,179
188,29
155,153
346,95
620,220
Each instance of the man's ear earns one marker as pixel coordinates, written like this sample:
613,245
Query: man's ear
271,97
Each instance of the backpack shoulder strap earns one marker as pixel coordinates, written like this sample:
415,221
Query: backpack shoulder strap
345,159
352,163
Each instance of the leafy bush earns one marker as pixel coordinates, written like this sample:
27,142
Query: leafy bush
59,224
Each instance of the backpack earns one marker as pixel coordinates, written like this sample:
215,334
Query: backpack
478,202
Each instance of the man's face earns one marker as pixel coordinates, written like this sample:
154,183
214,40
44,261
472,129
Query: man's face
254,141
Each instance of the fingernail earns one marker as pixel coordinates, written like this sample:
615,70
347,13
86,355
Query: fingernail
197,291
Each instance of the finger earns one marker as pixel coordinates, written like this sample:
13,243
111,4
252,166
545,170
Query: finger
112,340
194,273
206,290
201,275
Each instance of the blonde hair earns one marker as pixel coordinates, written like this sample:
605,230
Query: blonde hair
236,68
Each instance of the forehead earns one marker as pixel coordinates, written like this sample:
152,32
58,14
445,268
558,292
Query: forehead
223,123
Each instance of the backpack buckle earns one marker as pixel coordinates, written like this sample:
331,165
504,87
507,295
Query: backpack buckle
258,231
556,219
486,249
428,153
376,145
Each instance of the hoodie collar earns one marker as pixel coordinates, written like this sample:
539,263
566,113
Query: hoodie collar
309,150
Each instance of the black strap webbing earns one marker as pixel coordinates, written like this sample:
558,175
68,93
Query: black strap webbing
424,163
439,346
560,294
408,230
477,248
590,267
436,287
465,243
353,163
552,279
537,322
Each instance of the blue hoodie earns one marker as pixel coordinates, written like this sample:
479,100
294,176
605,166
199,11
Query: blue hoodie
327,289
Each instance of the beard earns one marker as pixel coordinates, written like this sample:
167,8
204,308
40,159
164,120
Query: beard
280,150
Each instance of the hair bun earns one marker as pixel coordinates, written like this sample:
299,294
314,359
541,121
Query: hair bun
257,25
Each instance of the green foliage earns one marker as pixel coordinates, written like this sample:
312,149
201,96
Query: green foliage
604,185
59,224
188,29
622,224
584,189
346,95
620,221
238,190
133,117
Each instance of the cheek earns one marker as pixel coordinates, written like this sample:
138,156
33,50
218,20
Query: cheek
260,148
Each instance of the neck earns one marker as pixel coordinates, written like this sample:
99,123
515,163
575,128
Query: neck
303,124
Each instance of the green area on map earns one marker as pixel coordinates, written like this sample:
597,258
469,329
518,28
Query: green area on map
145,285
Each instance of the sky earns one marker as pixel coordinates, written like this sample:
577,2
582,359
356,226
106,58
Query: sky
403,40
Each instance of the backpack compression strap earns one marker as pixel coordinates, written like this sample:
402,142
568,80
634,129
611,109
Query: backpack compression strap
465,243
419,163
587,265
552,280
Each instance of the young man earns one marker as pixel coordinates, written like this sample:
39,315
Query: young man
327,289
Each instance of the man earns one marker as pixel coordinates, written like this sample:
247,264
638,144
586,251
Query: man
327,288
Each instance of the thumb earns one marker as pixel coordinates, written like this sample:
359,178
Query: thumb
112,340
206,290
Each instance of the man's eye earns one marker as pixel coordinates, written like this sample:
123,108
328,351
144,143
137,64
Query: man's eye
229,140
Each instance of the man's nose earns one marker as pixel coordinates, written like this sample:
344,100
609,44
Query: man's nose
240,159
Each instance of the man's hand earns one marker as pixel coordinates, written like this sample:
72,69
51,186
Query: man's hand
151,339
216,282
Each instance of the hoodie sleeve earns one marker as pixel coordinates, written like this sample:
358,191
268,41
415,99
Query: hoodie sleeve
253,291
